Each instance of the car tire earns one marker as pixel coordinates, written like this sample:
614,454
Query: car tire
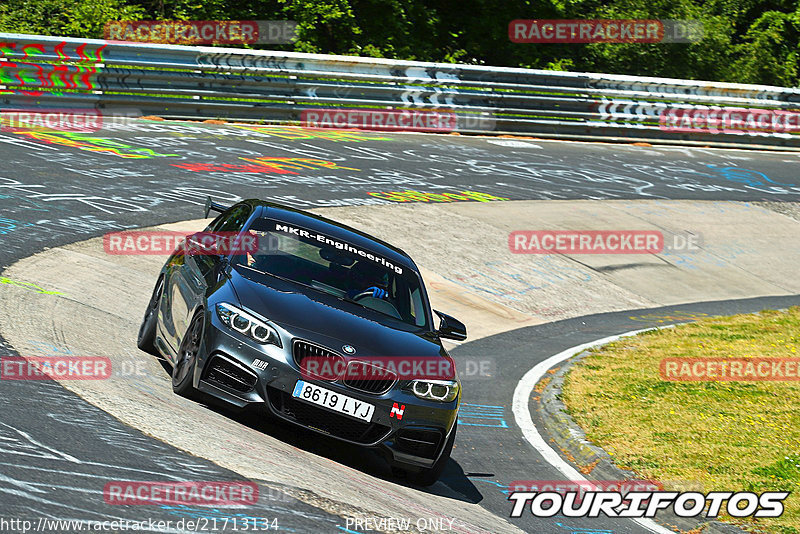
183,371
146,340
429,476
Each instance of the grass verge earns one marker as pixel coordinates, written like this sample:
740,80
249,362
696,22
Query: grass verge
725,435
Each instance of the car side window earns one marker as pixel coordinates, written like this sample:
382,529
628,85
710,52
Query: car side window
229,221
212,227
418,310
235,220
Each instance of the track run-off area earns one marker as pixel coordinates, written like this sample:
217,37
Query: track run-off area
451,203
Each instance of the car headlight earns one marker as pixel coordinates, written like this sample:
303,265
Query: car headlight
438,390
246,324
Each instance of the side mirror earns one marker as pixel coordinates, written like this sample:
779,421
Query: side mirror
450,327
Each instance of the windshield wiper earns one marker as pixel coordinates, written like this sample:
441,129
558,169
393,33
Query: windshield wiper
348,299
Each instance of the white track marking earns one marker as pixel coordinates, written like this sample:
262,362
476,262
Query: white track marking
32,441
513,143
522,416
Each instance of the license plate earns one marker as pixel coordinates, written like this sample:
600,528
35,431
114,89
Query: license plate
333,401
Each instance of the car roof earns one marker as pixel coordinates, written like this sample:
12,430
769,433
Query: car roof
332,229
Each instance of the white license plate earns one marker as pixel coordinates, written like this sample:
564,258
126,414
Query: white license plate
333,401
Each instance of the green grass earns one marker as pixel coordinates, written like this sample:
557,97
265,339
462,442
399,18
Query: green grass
727,436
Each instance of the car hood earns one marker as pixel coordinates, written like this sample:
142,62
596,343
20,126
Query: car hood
324,319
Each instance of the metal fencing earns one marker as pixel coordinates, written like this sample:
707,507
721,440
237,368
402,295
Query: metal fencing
282,87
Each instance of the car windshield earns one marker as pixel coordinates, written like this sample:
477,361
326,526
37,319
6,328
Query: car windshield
337,268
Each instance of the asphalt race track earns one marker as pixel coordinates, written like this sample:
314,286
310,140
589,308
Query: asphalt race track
59,189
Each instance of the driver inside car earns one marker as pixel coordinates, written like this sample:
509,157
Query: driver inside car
367,278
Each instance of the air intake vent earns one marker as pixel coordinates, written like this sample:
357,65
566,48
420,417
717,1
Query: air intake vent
423,442
369,378
317,362
225,373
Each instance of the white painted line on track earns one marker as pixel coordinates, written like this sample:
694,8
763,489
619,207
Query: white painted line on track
523,418
512,143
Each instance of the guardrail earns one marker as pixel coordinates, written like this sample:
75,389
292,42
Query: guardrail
277,87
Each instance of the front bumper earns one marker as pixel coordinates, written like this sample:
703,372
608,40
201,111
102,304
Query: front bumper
227,372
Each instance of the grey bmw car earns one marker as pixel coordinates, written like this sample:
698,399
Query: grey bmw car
324,326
